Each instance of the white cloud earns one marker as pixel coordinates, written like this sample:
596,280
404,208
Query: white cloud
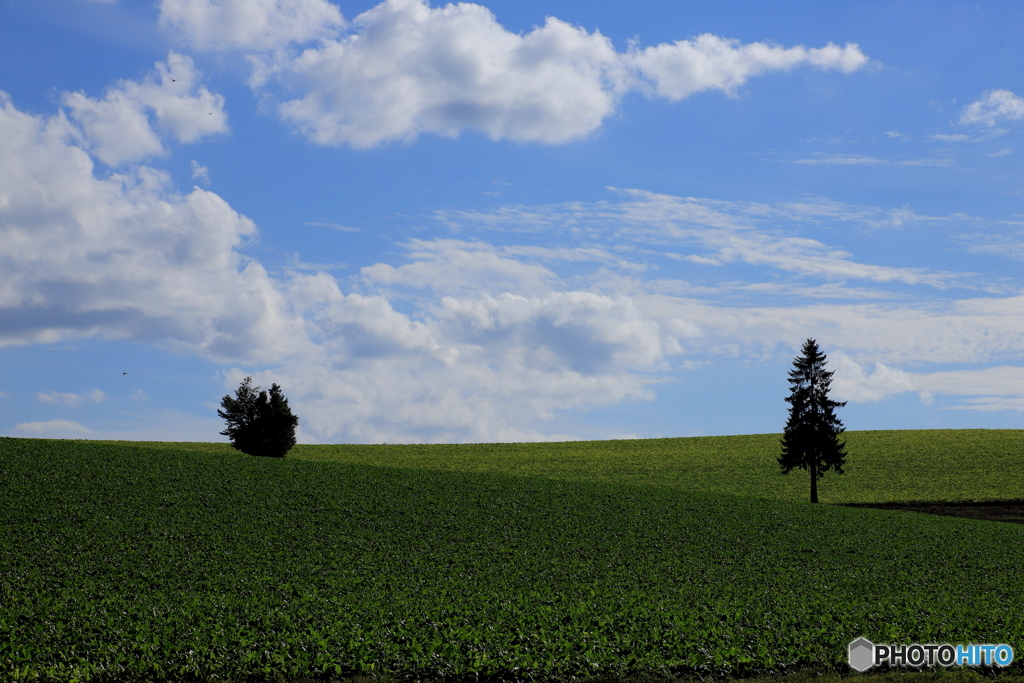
1006,381
994,106
465,340
993,404
472,367
295,262
126,257
406,69
821,211
981,330
851,383
1001,153
68,399
477,368
451,266
332,226
989,389
725,231
480,350
707,62
53,429
843,160
145,425
200,172
411,69
1007,244
858,160
123,256
117,129
249,24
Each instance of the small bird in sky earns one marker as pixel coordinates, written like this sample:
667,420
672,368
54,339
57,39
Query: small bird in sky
124,373
174,80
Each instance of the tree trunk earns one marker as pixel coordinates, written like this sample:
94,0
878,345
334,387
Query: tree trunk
814,483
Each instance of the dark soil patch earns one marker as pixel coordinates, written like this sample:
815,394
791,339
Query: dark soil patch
996,511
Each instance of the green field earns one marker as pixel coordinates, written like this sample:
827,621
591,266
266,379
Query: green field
883,466
129,561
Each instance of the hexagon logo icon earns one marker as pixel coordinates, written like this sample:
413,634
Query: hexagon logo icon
862,654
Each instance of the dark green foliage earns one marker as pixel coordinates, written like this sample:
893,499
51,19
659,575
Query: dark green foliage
120,562
259,423
811,439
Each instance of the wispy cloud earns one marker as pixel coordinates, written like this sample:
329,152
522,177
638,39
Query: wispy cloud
843,160
1007,244
994,106
978,330
451,266
296,262
925,162
992,404
721,232
69,399
248,25
988,389
859,160
332,226
53,429
200,172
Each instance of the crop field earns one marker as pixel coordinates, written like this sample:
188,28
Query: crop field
883,466
125,562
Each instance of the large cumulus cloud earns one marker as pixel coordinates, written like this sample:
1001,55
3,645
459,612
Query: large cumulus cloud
404,68
124,254
248,24
129,122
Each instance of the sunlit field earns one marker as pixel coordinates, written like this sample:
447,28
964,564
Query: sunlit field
921,465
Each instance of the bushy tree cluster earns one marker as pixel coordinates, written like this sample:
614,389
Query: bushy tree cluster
259,422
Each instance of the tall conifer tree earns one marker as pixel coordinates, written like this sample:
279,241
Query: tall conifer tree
811,440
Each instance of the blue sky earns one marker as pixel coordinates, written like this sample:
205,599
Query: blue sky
515,221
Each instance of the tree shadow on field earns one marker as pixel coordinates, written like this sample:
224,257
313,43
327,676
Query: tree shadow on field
810,675
994,511
962,675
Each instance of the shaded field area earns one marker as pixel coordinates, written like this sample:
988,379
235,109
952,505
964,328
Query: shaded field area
994,511
173,562
809,675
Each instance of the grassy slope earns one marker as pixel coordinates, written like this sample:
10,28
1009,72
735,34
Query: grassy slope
134,556
883,466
